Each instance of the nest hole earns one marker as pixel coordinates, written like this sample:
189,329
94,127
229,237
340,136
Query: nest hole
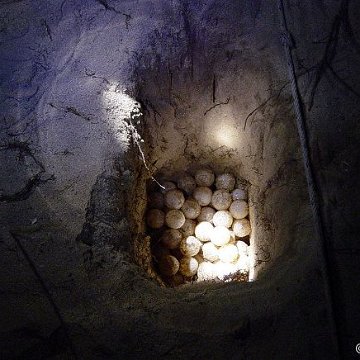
194,226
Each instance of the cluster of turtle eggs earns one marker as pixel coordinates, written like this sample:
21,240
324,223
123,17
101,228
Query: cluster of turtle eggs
199,223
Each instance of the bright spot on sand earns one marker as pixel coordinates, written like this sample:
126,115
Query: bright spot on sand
118,109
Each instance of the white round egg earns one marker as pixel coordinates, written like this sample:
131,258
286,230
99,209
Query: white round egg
174,199
206,271
188,266
202,195
221,199
204,177
239,194
174,219
155,218
220,236
228,253
241,227
239,209
203,231
242,247
190,246
191,209
168,265
171,238
206,214
225,181
210,252
186,183
223,270
243,263
223,218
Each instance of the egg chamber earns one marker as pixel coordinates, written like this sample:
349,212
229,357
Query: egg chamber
199,228
264,154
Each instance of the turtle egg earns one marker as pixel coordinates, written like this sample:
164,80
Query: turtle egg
225,181
155,218
210,252
202,195
206,271
203,231
188,266
171,238
174,199
220,236
190,246
239,194
169,265
224,269
206,214
228,253
242,247
167,185
191,209
186,183
239,209
156,200
188,228
243,263
221,200
241,227
174,219
222,218
204,177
